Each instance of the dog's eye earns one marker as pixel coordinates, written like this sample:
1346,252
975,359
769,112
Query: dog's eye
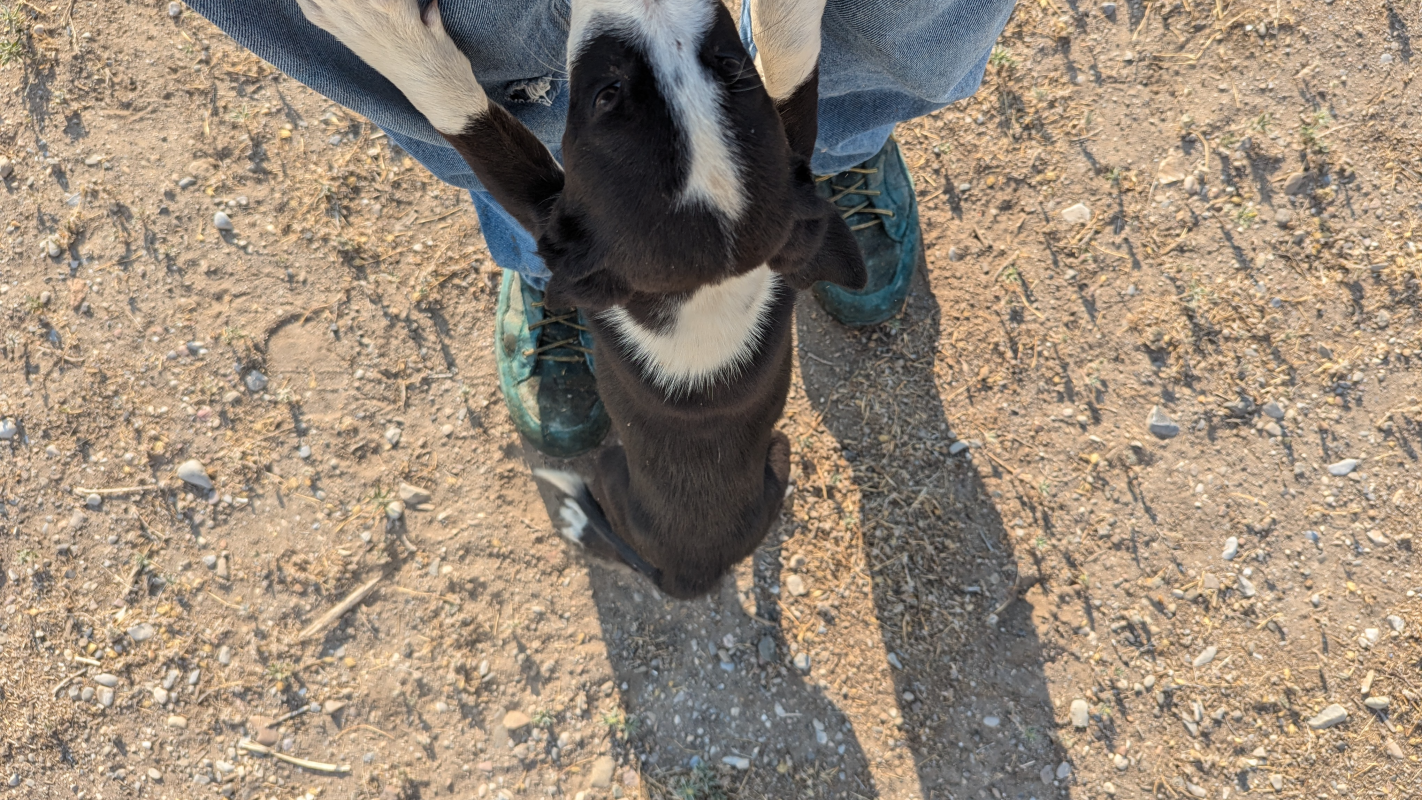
729,66
607,96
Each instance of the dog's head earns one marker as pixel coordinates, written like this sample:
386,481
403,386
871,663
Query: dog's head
679,168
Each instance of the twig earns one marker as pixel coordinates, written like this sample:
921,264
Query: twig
79,490
338,736
252,747
298,712
352,600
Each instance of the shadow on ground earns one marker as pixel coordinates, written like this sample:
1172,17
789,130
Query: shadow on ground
913,686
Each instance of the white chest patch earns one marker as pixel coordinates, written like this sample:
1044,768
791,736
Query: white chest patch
715,332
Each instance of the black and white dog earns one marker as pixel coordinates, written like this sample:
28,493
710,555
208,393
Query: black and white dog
684,219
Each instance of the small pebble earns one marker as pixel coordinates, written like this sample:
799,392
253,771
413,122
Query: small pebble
1077,214
1272,410
7,168
93,501
175,721
795,585
161,695
802,662
224,655
1328,717
394,510
141,632
515,720
221,221
1121,762
1109,9
739,762
1206,656
1396,623
1246,588
1378,703
766,650
304,452
209,560
992,722
1161,425
106,697
1063,771
392,435
1377,538
1394,750
8,429
192,471
187,183
174,9
1342,468
255,381
1080,713
106,679
1231,549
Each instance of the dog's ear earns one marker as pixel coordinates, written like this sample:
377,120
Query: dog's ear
821,246
577,263
513,165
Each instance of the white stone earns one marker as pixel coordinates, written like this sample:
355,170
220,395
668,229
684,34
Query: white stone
1231,549
1078,214
1080,713
1206,656
1341,468
1328,717
192,471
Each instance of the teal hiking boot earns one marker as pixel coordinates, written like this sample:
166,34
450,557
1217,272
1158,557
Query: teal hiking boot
876,198
545,366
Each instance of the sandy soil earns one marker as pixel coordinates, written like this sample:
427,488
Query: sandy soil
995,579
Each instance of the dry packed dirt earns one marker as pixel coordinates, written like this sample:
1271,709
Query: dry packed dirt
1121,506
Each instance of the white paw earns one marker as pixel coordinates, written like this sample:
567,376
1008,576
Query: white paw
575,521
413,51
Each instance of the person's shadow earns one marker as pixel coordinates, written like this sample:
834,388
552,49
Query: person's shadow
869,649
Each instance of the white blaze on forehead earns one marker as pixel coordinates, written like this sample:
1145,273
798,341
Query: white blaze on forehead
670,32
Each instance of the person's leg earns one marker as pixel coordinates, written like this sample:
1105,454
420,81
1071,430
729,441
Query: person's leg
517,51
888,61
883,62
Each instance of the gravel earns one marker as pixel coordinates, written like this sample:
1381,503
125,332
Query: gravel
795,585
222,222
1231,549
255,381
8,429
1341,468
1205,657
192,471
1080,713
1328,717
1077,214
1161,425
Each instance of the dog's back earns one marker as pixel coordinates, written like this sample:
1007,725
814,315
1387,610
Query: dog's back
685,220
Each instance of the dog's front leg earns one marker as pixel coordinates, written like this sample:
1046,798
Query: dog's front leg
414,52
787,45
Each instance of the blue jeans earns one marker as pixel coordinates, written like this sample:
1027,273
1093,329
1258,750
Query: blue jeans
882,62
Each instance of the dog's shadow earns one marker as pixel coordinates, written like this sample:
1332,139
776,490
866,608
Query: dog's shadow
879,670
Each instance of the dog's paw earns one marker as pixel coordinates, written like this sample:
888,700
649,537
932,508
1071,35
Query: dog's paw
573,499
411,49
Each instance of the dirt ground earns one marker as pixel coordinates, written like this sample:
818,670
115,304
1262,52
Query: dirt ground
999,576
